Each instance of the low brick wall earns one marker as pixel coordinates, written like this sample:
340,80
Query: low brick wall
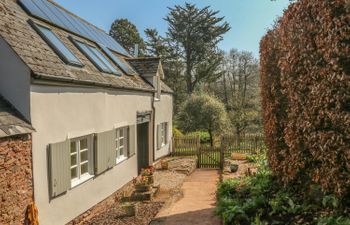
16,181
103,205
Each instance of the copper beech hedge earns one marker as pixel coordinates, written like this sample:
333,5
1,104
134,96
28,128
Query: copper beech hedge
305,81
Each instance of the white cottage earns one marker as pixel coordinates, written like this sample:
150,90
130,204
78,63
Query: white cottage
99,114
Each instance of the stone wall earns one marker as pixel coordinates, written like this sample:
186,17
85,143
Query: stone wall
16,182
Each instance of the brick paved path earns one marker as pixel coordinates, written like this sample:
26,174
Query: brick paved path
198,203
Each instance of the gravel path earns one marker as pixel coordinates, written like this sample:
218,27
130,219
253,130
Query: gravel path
170,182
147,210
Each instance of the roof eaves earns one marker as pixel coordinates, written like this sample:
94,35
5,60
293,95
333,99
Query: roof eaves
38,76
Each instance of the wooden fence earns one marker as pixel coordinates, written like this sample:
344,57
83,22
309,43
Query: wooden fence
243,144
190,145
186,145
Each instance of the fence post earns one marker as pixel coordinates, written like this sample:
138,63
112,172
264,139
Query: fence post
198,157
222,155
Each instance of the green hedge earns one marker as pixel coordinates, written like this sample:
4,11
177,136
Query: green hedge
305,82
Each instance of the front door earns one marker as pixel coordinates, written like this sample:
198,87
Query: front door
142,146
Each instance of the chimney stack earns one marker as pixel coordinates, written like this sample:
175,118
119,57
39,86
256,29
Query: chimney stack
136,51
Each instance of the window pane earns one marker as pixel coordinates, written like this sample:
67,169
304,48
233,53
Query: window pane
121,142
83,144
73,160
73,147
96,57
83,156
121,132
57,43
127,69
103,59
121,150
84,168
73,173
92,56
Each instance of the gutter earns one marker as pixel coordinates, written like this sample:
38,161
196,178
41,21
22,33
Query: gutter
41,78
154,128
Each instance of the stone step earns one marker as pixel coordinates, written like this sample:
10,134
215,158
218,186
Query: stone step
142,196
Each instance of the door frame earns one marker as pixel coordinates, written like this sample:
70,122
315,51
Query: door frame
147,117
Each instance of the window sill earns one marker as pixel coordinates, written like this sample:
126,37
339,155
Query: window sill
121,159
83,179
163,145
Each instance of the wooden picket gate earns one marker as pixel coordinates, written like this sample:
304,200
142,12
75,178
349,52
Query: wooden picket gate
210,157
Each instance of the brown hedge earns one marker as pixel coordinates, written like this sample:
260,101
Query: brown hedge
305,80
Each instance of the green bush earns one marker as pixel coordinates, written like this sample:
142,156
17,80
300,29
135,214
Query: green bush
177,132
333,220
261,199
204,136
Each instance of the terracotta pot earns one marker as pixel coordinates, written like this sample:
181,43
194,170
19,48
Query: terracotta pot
150,179
238,156
164,165
129,210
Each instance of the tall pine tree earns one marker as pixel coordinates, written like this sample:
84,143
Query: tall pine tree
126,34
196,32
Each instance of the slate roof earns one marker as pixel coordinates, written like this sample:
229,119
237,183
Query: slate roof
11,122
165,88
149,65
45,63
145,65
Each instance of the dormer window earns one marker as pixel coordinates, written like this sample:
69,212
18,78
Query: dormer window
56,44
96,57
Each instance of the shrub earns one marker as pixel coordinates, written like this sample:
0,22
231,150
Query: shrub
203,135
203,112
305,79
333,220
261,199
177,132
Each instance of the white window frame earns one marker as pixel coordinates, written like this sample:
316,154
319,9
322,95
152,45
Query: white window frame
120,158
81,178
163,134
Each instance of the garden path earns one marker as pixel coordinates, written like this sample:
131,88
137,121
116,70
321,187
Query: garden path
198,203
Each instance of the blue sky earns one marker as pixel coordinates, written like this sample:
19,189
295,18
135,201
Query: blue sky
249,19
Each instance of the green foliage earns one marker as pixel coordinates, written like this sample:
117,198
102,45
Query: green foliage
333,220
203,135
202,112
196,33
126,34
330,201
156,45
228,188
260,200
177,132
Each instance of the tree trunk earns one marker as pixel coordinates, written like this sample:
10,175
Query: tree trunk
225,92
211,138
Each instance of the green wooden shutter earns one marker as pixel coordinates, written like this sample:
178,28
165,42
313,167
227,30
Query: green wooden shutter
132,140
59,168
105,151
159,136
166,133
